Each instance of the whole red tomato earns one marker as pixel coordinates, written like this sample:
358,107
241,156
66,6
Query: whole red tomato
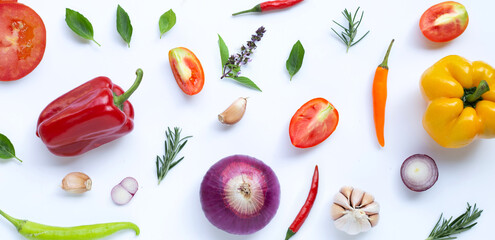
444,21
187,70
313,122
22,40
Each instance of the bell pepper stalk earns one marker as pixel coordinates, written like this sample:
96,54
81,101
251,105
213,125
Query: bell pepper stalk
461,103
95,113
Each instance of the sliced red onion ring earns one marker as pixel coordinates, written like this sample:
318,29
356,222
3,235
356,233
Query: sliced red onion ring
240,194
419,172
123,192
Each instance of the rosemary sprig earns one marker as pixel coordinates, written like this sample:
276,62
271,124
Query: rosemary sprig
349,33
445,228
173,145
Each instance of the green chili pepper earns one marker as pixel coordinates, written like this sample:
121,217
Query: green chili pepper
36,231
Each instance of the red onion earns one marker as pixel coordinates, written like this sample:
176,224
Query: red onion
419,172
240,194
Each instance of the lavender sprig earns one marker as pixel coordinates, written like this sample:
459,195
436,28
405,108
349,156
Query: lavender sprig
232,67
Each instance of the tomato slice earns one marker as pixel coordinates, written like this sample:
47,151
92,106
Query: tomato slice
187,70
22,40
444,21
313,122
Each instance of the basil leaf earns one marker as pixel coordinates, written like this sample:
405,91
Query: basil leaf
246,82
295,60
6,148
224,51
167,21
124,26
79,24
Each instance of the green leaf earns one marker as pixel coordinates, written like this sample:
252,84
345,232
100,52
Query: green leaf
167,21
79,24
7,150
224,51
124,26
246,82
295,60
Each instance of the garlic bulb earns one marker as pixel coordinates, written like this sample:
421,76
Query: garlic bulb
354,210
234,112
76,182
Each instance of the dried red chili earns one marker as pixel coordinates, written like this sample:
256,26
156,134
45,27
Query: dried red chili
306,208
271,5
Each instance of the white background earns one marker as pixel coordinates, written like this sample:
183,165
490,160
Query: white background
350,156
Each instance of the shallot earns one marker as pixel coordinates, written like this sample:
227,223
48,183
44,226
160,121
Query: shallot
123,192
240,194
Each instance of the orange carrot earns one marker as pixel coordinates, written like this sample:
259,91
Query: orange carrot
380,96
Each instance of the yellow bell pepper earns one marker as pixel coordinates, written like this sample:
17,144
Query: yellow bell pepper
461,101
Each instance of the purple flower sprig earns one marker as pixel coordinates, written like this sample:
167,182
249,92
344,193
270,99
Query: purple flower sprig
232,67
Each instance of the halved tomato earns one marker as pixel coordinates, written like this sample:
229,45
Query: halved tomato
444,21
313,122
22,40
187,70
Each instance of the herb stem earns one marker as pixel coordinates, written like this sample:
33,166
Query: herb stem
173,145
445,228
232,65
348,34
99,45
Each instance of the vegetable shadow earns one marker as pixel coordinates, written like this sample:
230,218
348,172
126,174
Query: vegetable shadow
79,39
7,161
450,155
290,151
50,158
337,234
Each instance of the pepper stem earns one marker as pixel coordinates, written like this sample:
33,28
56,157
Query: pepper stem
119,100
16,222
256,8
290,233
384,64
482,88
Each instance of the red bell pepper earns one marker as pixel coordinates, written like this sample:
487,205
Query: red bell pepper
87,117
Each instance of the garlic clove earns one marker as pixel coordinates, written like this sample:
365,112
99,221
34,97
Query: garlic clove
353,223
356,197
337,211
367,199
341,200
374,219
76,182
346,191
234,112
372,208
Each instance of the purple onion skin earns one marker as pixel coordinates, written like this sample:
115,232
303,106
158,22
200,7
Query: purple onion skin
217,209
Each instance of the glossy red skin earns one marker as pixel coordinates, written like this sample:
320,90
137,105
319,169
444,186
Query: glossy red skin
84,118
306,208
194,84
305,130
448,31
22,55
275,5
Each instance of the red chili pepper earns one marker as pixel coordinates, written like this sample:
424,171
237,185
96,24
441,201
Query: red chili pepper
306,208
88,116
271,5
